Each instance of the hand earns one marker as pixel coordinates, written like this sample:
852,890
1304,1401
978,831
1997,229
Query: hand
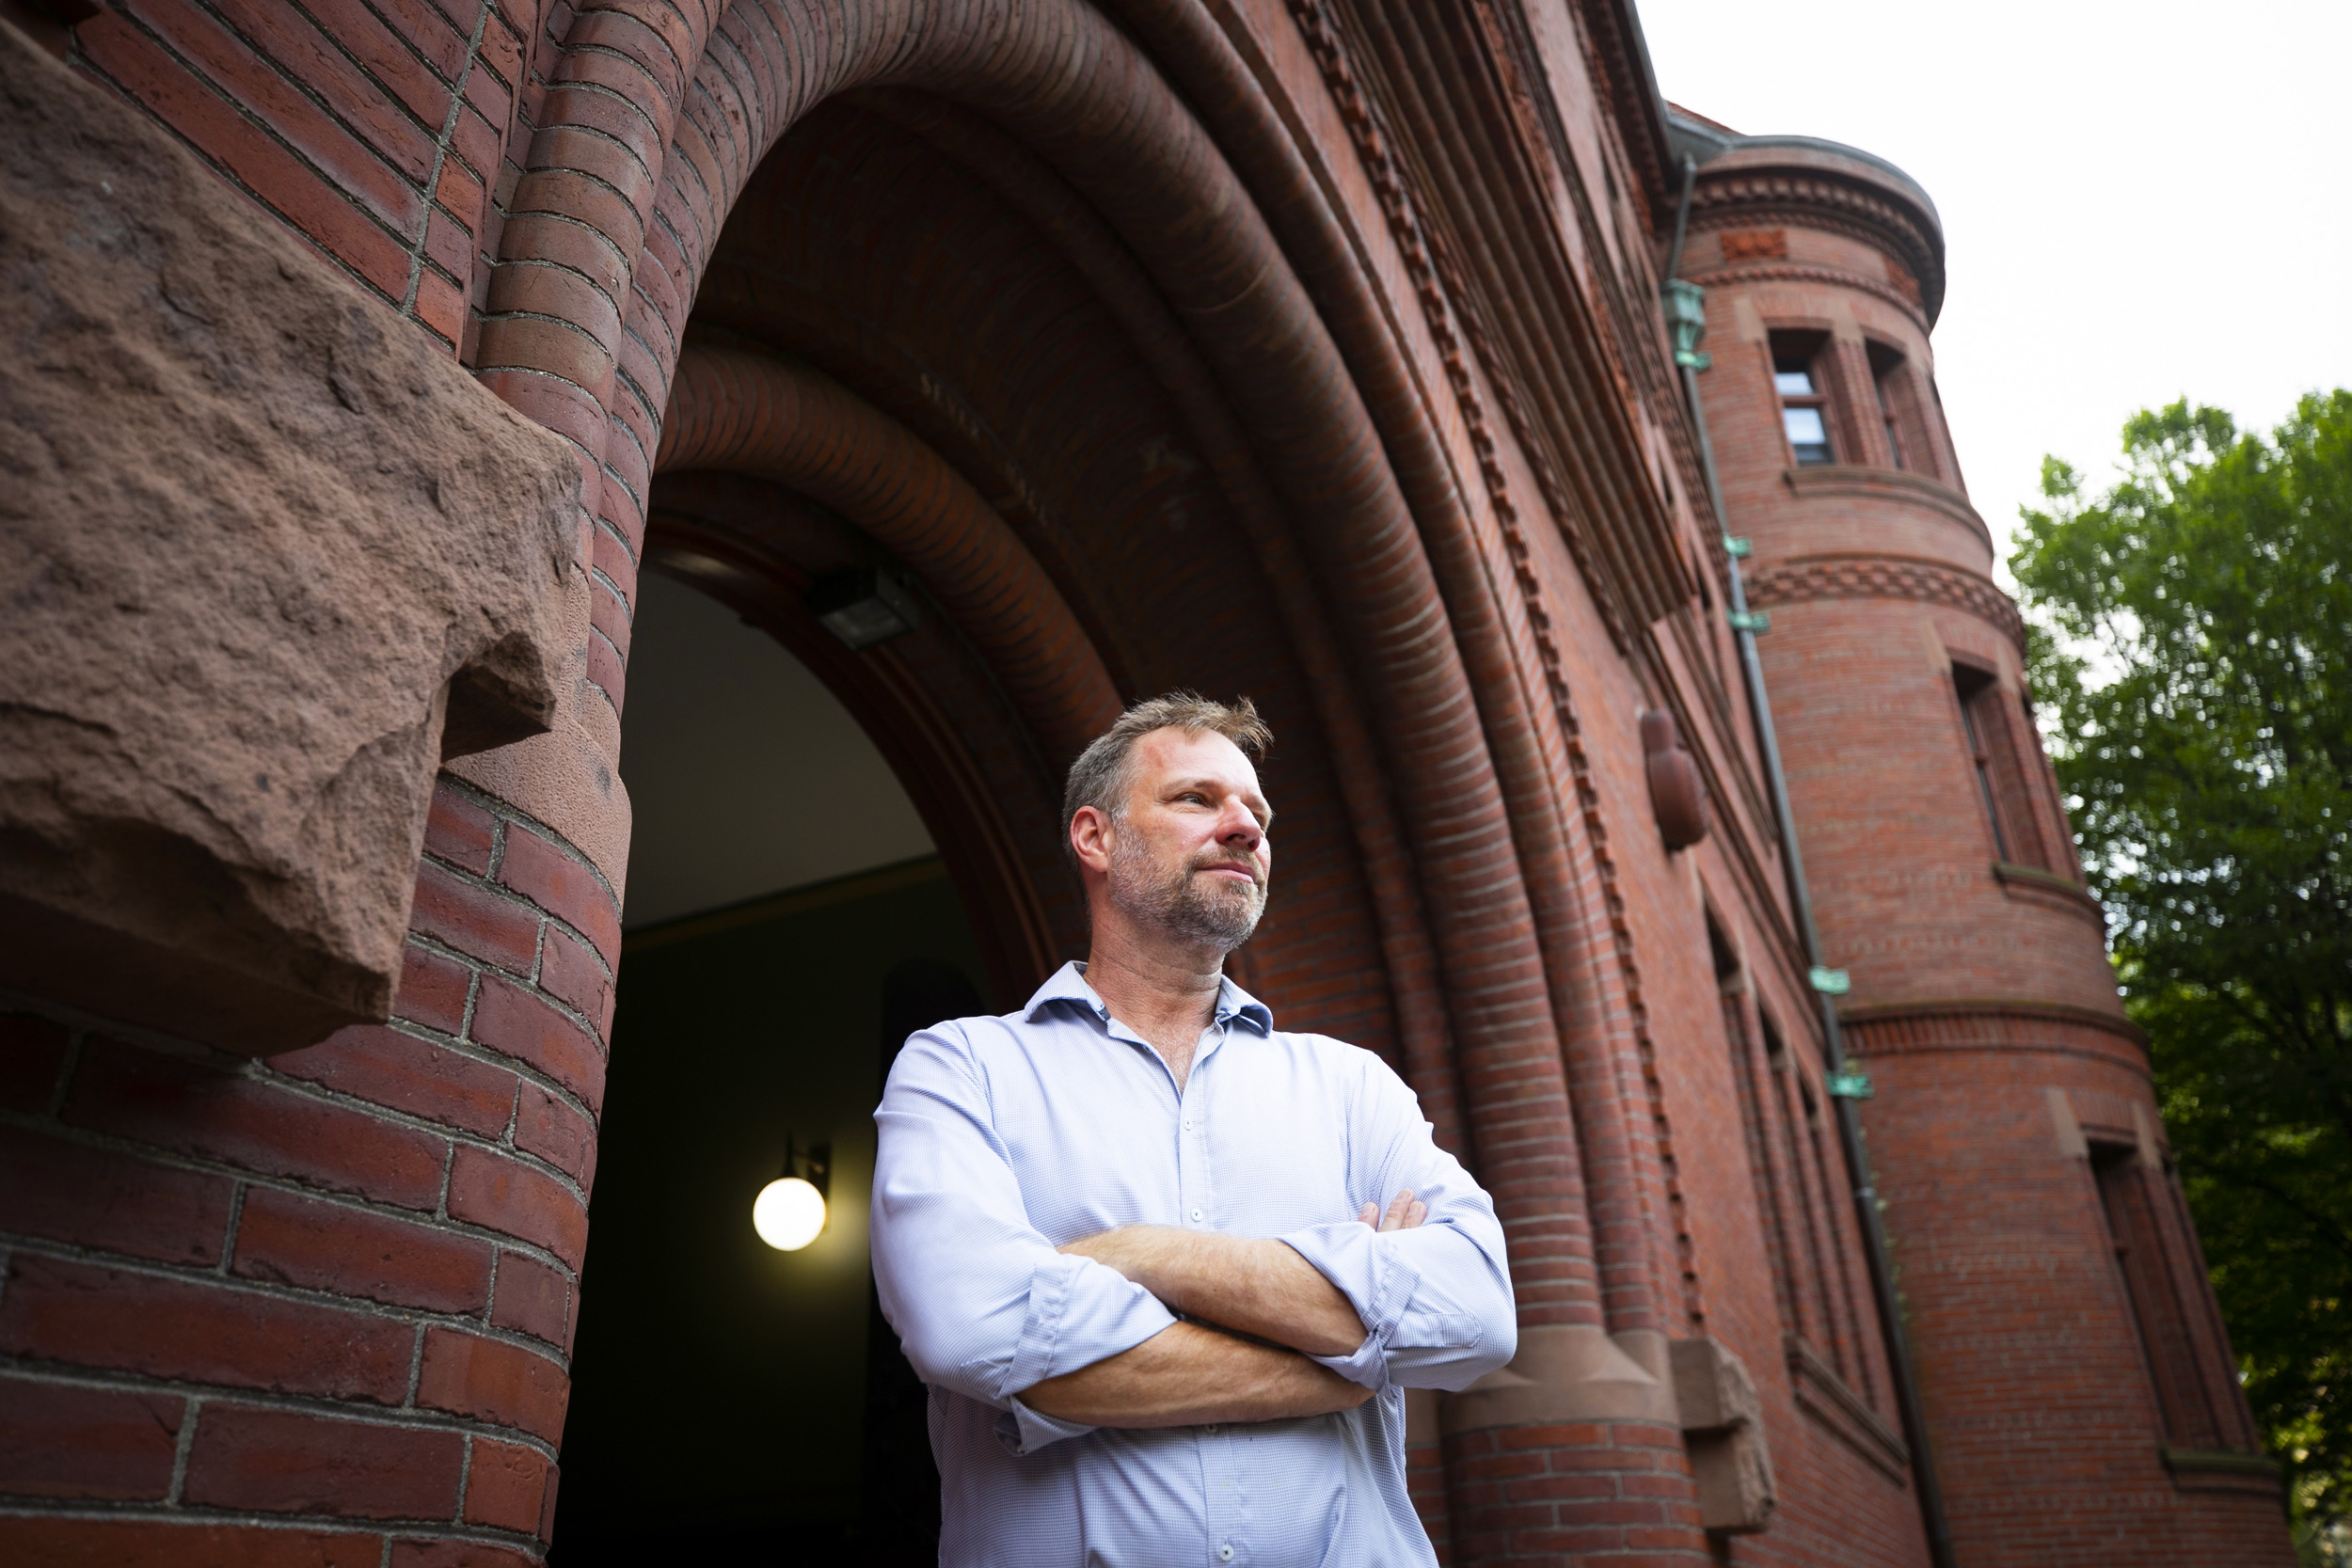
1404,1212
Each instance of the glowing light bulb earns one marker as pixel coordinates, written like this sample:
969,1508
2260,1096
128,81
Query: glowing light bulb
788,1214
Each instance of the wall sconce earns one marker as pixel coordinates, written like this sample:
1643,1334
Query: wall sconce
1686,318
789,1212
862,607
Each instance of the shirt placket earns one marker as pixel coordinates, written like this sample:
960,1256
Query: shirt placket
1196,1189
1220,1446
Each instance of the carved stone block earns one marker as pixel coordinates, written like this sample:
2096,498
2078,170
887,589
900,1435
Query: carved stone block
1722,1429
267,554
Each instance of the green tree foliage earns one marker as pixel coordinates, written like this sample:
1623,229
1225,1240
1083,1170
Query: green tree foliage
2193,638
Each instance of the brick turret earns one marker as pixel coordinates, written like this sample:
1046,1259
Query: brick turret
2075,1377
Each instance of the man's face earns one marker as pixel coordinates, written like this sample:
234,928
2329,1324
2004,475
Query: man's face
1190,854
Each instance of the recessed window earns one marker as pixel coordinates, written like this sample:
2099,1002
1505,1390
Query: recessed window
1972,685
1804,411
1899,411
1997,750
2146,1227
1886,417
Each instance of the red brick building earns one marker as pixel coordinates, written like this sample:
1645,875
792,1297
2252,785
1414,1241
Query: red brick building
887,390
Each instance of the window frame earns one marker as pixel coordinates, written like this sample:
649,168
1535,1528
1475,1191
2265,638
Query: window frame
1807,349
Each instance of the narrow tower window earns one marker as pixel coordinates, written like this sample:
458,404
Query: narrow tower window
1803,408
2001,783
2149,1278
1886,369
1971,685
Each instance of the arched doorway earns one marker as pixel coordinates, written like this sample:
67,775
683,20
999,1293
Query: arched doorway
947,312
789,917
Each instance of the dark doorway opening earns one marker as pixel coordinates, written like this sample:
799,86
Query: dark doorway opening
790,922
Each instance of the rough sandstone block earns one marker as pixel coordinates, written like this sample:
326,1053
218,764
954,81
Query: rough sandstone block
268,556
1723,1429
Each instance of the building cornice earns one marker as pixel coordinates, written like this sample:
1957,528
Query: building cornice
1783,180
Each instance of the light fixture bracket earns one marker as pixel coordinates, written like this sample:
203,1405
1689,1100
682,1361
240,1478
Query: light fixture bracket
812,1164
863,606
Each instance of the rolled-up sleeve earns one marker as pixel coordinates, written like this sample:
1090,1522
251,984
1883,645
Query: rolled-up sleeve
1435,1300
981,1301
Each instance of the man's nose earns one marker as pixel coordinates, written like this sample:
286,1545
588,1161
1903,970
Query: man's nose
1240,827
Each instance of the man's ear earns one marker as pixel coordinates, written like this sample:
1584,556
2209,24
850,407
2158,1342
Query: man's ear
1090,837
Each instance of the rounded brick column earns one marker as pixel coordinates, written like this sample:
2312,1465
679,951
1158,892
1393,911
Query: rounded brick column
2074,1375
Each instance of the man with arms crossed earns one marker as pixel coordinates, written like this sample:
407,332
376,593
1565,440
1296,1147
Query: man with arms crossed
1069,1196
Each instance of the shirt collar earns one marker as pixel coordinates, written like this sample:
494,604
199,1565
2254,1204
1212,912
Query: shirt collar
1068,984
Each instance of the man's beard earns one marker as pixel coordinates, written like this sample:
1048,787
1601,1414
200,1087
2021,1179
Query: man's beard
1214,911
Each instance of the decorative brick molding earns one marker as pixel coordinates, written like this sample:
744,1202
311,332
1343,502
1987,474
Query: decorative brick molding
1994,1024
1745,269
1887,576
1755,245
1620,1214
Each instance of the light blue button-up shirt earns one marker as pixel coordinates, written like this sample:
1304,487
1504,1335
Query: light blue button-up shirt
1004,1137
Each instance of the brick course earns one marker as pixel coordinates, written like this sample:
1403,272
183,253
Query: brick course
58,1440
256,1245
288,1461
191,1331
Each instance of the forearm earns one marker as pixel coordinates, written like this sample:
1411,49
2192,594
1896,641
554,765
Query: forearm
1186,1376
1247,1284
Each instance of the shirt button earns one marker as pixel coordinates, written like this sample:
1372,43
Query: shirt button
1187,1124
1196,1216
1225,1553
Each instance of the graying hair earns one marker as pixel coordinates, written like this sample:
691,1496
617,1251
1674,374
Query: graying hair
1105,772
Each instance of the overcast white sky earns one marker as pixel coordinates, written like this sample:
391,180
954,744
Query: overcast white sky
2140,200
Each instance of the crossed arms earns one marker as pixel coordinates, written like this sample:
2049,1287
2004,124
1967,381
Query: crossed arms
1064,1338
1186,1373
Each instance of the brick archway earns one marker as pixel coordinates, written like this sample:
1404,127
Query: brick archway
1329,469
555,344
